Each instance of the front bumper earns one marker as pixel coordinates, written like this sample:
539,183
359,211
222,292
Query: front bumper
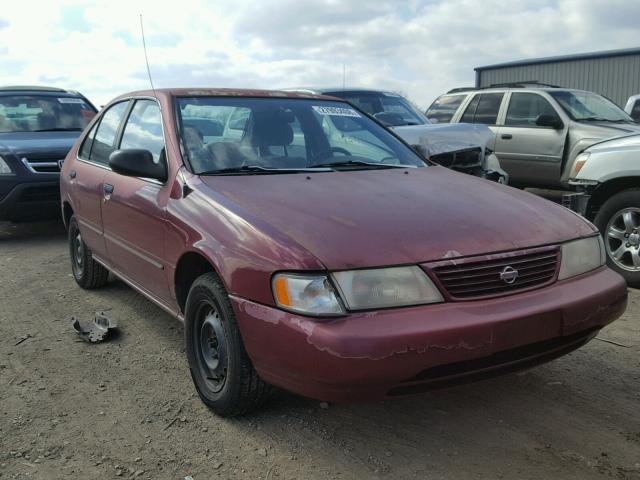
25,199
380,354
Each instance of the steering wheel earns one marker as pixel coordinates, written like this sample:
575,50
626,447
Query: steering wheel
344,151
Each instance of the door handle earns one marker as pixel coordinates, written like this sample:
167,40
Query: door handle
506,136
72,174
108,188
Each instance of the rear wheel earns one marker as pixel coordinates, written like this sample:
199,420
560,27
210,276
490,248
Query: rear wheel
88,273
619,222
220,367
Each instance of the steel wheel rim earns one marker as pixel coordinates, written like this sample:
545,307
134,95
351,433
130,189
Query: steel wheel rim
211,347
622,239
77,249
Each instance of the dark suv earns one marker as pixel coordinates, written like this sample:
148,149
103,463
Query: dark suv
38,127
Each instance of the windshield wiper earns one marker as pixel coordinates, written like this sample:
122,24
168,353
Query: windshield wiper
58,130
256,169
348,163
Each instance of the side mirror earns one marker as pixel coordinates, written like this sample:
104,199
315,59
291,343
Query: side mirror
552,121
134,162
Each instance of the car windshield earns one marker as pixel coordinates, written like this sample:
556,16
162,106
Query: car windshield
389,108
43,113
222,135
587,106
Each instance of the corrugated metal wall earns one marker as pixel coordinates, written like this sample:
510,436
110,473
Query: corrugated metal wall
615,77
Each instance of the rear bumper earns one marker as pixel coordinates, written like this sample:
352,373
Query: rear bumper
29,200
376,355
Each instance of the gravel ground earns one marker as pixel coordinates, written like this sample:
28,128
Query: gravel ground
127,408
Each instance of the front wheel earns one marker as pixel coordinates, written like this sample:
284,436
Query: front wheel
220,367
619,222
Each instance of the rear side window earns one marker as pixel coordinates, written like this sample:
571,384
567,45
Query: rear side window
87,143
442,110
105,138
483,109
144,129
525,108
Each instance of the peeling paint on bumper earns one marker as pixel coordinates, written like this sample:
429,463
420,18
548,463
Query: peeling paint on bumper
366,355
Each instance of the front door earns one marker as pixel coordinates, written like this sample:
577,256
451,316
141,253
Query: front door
531,154
133,214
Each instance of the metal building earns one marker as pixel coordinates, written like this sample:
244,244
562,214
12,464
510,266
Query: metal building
614,73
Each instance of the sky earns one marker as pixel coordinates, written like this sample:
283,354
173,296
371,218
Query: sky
420,48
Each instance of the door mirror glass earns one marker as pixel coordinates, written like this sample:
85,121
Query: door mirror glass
552,121
135,162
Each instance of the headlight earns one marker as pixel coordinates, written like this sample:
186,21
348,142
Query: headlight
581,256
579,163
4,167
308,294
386,287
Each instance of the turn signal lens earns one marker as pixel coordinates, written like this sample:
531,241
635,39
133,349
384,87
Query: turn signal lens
307,294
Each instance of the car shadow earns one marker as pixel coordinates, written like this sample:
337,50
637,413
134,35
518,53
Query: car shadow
32,231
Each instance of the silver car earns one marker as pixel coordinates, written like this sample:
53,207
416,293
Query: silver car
537,131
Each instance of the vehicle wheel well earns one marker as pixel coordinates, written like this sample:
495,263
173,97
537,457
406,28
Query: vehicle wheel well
67,211
190,266
607,190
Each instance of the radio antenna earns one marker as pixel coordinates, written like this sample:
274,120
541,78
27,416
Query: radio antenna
146,57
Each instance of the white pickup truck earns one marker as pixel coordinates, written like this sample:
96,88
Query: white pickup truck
606,177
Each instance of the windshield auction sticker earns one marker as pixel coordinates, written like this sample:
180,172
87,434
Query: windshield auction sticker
336,111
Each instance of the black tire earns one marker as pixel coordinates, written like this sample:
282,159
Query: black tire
610,215
220,367
88,273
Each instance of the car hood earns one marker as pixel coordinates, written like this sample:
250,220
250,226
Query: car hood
34,143
603,130
445,137
369,218
628,142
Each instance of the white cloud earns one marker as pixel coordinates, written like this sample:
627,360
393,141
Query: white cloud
421,48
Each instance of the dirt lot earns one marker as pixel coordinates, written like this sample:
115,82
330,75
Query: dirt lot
127,408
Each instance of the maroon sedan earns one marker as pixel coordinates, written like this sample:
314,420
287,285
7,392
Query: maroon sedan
307,247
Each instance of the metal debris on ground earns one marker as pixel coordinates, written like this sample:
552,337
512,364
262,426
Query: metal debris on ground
102,327
22,339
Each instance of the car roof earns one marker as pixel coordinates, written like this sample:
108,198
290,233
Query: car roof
36,89
223,92
537,88
327,90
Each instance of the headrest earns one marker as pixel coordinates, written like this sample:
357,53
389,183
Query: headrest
272,128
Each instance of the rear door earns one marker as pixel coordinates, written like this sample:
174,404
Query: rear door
133,208
532,155
87,175
484,108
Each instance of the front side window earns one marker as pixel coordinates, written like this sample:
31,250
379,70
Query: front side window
104,142
443,109
144,129
286,134
587,106
44,113
525,108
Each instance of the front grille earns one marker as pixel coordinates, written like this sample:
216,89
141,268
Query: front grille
42,165
476,278
460,160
